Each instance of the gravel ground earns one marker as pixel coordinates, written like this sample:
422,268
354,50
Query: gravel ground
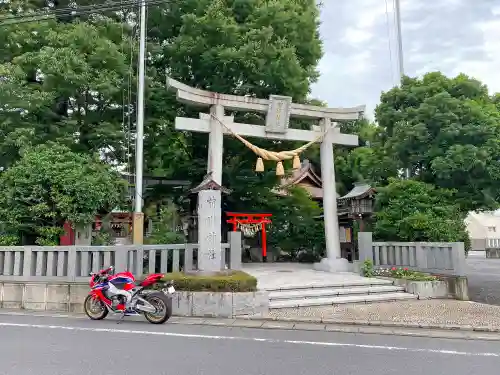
431,312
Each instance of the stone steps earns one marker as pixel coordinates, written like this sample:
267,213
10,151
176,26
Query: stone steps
353,291
329,292
329,301
360,282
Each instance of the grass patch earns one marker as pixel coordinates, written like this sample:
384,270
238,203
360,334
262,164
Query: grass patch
230,281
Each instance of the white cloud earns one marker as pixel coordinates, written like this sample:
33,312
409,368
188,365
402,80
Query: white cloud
360,59
355,36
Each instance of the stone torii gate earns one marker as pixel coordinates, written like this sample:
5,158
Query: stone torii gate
279,109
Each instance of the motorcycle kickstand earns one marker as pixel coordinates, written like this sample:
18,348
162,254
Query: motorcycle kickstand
121,318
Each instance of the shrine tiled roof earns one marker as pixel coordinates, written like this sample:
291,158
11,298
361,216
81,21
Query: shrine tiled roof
209,184
304,177
359,191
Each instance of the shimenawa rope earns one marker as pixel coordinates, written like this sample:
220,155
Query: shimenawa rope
272,155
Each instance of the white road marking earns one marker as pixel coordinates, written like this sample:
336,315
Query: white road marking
255,339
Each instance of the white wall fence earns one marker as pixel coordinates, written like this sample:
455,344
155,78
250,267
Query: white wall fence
446,258
493,243
74,263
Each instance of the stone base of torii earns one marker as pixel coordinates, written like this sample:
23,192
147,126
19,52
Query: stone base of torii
278,110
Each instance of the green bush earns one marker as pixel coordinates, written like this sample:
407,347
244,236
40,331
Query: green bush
9,240
230,281
404,273
367,268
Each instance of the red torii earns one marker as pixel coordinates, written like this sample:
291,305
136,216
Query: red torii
249,218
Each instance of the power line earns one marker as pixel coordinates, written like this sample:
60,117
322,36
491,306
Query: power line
74,12
65,10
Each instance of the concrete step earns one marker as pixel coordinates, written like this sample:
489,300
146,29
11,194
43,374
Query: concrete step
332,292
328,301
361,282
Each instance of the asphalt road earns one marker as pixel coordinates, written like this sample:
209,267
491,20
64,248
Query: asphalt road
61,346
484,278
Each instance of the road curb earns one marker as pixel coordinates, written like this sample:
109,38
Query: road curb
372,323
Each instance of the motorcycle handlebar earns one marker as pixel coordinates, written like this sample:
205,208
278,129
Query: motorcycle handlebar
107,270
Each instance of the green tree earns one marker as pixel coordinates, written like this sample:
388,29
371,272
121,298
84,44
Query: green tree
445,131
66,82
254,48
298,229
408,210
50,185
165,225
366,163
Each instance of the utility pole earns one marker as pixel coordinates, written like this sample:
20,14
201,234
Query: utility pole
138,217
397,10
399,37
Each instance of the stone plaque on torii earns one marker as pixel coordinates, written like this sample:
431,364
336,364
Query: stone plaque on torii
278,110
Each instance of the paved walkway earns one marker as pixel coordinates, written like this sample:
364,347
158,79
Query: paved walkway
290,275
414,313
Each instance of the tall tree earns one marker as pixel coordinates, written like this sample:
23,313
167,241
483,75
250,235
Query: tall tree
445,131
413,211
63,79
251,47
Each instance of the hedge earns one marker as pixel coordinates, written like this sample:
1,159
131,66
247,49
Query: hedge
230,281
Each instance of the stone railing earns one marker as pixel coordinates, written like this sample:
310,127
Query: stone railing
492,243
433,257
492,248
74,263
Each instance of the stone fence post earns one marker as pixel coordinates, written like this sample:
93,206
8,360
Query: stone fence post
365,240
420,255
458,255
235,250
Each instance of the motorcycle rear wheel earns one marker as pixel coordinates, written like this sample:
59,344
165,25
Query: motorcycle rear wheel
162,303
100,311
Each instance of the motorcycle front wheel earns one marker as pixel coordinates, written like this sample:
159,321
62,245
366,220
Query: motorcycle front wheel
163,308
95,309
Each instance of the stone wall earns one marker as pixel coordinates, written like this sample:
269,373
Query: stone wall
449,287
69,297
425,289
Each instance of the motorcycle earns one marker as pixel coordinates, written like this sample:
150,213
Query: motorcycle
119,293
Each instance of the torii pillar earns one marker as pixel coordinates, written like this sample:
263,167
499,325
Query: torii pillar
278,109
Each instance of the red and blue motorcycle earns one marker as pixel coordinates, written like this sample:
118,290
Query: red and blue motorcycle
119,293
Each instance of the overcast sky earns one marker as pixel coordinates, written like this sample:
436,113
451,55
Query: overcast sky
452,36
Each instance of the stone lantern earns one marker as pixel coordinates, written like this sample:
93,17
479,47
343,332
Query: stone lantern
359,203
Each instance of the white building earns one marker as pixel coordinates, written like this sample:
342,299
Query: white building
483,229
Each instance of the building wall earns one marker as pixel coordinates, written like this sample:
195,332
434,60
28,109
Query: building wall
482,227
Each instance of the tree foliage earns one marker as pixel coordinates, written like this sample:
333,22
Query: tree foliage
445,131
64,82
408,210
50,185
